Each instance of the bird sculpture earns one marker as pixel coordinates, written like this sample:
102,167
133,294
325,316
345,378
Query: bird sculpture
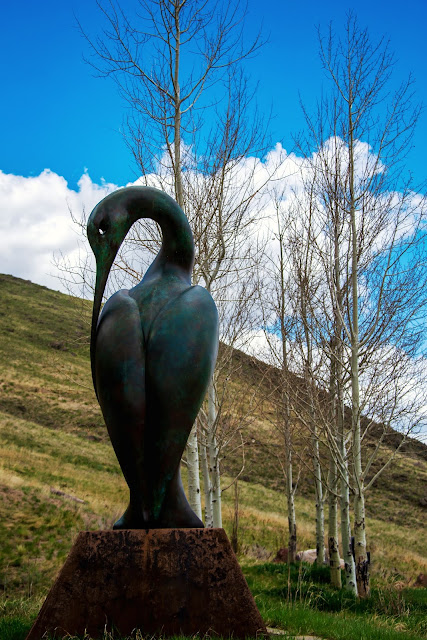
153,351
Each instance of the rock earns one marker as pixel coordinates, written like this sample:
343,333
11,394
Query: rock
280,632
161,581
421,581
282,555
309,555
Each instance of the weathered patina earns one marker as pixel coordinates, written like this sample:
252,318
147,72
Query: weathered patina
153,350
164,583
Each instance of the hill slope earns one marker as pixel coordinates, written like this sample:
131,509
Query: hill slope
58,473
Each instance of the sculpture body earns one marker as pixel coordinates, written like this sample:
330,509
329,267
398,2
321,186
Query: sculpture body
153,350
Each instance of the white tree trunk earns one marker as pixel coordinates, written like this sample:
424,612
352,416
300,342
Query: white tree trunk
320,515
333,547
350,569
292,544
193,472
194,497
361,556
292,524
216,486
203,455
360,551
213,453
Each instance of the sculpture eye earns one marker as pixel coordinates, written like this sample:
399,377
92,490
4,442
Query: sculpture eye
103,228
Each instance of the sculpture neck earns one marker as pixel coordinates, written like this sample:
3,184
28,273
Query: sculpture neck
177,250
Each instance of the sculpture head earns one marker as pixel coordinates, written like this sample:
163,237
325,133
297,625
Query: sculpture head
112,218
107,227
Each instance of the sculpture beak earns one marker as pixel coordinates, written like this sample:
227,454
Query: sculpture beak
103,265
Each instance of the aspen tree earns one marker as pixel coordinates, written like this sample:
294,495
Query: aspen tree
278,322
370,250
175,63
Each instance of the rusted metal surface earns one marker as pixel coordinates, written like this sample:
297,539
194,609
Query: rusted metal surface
163,582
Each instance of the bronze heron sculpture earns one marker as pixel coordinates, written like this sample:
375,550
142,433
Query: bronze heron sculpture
153,350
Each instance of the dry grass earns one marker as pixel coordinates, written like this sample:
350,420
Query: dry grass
52,437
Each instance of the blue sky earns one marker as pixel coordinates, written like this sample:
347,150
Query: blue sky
56,115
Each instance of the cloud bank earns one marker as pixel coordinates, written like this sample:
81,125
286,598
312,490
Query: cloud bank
35,222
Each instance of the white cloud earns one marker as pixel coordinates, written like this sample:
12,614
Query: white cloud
35,222
35,219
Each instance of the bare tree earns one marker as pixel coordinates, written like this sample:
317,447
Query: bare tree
321,328
279,321
370,251
313,404
307,404
190,127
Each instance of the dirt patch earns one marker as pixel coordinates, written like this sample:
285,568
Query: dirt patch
280,632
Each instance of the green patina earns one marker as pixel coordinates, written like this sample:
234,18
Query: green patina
153,350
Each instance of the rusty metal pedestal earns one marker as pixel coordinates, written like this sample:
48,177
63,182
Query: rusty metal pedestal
161,581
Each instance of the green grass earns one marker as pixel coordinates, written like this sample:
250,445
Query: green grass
17,616
299,600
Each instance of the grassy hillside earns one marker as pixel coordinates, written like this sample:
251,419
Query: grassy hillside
58,473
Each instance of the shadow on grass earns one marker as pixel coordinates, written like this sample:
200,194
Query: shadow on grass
297,599
300,599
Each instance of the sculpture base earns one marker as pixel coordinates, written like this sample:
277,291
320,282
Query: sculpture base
161,581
